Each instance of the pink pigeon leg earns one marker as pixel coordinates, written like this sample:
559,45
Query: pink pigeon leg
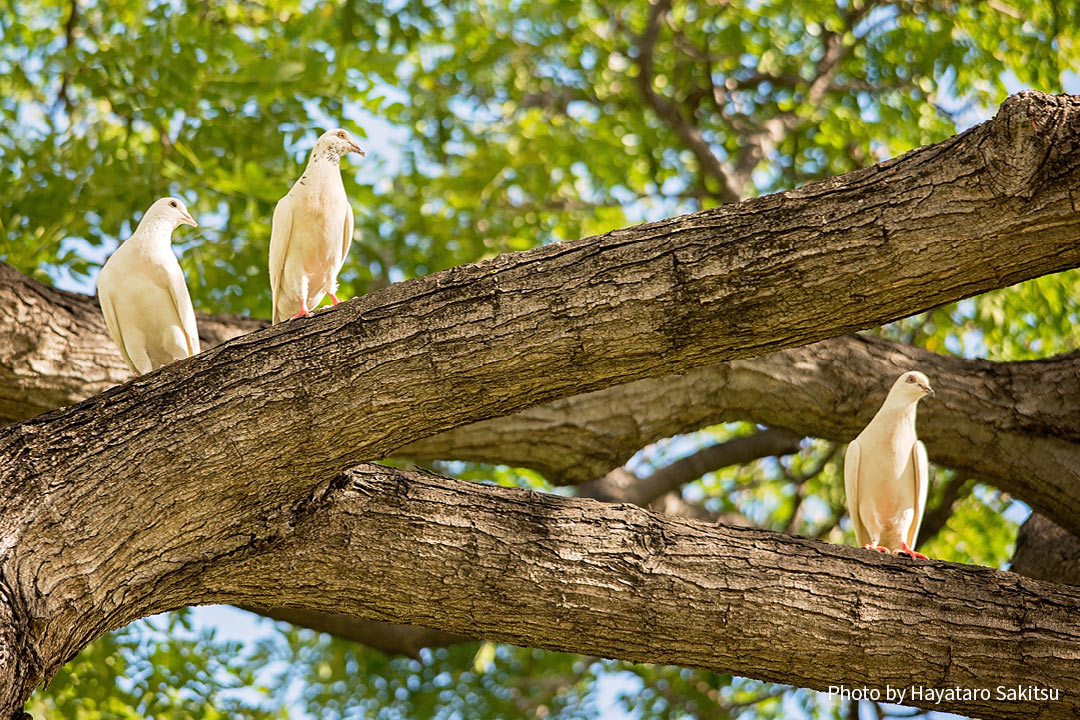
875,546
304,312
333,299
905,550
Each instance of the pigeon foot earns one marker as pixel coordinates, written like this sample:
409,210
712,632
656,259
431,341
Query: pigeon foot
872,546
905,550
304,312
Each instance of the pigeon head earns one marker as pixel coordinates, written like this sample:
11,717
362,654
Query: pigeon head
912,386
336,144
172,211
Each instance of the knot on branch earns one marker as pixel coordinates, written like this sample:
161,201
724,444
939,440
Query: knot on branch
377,481
1024,134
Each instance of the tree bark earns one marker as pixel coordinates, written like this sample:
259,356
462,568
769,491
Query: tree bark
61,353
1016,424
618,486
149,496
1047,551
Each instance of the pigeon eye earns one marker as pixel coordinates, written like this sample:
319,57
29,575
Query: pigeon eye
911,379
172,204
341,135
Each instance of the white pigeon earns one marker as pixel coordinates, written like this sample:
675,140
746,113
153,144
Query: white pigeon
143,295
311,231
886,473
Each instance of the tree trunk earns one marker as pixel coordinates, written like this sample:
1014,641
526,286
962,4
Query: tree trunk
216,479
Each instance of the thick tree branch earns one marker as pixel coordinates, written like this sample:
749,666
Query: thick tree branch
581,576
58,353
73,358
657,491
55,350
189,476
1019,419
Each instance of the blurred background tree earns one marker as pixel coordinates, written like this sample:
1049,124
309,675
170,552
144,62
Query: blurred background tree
492,127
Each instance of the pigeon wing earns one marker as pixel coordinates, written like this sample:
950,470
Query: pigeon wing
280,238
921,466
347,240
185,313
851,489
114,326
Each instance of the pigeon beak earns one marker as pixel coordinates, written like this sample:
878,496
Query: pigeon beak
353,147
188,220
928,390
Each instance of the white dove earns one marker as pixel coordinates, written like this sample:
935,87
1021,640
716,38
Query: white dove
886,474
311,231
143,295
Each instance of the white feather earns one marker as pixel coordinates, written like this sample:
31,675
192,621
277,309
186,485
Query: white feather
851,487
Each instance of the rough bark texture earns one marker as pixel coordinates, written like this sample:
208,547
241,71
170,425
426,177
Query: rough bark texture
619,486
55,350
197,482
1047,551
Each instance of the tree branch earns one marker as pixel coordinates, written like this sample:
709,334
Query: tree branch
589,433
619,485
55,350
835,51
1013,423
623,486
657,491
689,133
994,420
69,39
935,518
1047,551
674,504
390,638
